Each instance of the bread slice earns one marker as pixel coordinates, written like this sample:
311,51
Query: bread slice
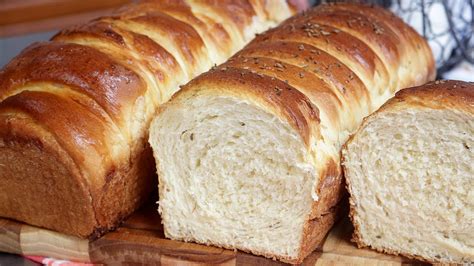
248,154
410,174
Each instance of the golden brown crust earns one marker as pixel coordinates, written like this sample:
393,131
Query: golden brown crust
212,33
23,143
380,38
189,42
373,32
122,42
129,188
407,35
81,68
84,140
314,232
313,62
71,204
160,61
319,93
78,107
330,190
346,48
239,12
440,94
96,28
275,93
324,79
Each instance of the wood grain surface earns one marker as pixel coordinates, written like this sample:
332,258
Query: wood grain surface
140,239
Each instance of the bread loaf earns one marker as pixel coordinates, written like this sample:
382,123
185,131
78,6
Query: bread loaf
75,111
410,173
248,153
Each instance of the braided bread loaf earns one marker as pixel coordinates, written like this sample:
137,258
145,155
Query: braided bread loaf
248,153
75,111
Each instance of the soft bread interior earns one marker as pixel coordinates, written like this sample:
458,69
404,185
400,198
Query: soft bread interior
233,175
410,174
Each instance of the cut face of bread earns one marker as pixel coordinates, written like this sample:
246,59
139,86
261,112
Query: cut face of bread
248,153
240,176
410,173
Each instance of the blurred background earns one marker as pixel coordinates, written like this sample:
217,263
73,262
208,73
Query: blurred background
25,21
447,24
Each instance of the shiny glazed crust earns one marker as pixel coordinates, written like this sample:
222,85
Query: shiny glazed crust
74,111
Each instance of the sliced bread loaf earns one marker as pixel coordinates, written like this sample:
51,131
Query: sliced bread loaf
248,154
410,173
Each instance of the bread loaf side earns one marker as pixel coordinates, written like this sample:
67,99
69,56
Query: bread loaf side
75,111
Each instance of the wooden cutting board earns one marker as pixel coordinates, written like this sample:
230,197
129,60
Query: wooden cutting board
140,240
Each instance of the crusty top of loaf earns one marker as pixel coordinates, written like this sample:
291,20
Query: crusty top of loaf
79,67
345,59
269,91
440,94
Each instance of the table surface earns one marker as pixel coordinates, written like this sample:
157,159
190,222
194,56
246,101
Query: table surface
140,240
